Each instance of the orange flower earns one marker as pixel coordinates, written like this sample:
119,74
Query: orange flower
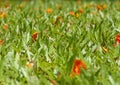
80,10
77,65
29,64
49,10
1,42
5,26
99,7
34,36
2,14
72,13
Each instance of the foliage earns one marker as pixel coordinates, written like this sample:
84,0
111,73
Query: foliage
39,41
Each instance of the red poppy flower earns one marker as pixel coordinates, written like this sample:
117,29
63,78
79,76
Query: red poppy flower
34,36
77,65
117,38
29,64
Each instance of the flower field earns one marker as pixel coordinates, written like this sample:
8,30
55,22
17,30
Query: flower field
59,42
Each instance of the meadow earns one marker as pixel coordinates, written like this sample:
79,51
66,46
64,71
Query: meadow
59,42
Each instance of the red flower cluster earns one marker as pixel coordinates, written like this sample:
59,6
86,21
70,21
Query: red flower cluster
117,38
77,65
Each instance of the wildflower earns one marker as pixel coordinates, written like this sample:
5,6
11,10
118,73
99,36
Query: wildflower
117,38
29,64
5,26
1,42
34,36
72,13
76,67
99,7
49,10
80,10
2,14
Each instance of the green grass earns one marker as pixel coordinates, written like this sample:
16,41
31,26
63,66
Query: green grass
59,43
